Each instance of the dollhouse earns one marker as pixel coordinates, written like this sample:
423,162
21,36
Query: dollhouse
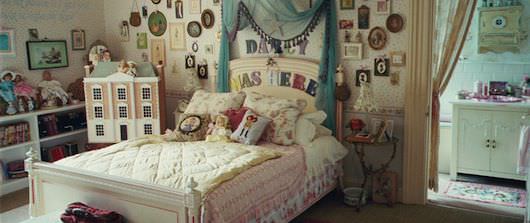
121,105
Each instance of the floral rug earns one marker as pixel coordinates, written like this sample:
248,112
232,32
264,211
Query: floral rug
506,196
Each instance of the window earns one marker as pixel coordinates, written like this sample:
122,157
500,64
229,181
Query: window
122,94
96,94
148,113
148,129
122,111
98,111
100,130
146,93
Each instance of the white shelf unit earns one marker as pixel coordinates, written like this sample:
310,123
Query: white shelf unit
18,151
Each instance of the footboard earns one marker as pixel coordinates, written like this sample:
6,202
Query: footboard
53,187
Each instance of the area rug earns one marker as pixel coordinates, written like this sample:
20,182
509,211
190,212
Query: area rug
506,196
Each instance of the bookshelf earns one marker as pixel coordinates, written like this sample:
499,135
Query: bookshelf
17,151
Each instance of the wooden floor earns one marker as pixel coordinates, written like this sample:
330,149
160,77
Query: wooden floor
14,200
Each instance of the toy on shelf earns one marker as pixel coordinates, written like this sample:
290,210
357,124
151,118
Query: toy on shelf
76,90
25,93
219,130
7,92
51,91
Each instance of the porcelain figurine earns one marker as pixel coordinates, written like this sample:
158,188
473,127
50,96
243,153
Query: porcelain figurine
51,89
220,131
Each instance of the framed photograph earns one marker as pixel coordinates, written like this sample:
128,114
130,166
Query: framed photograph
141,40
347,4
383,7
195,6
345,24
216,2
352,51
385,187
394,23
397,58
377,38
362,76
381,67
179,9
195,46
124,31
7,42
194,29
169,3
177,36
202,71
189,61
158,51
207,19
382,130
363,17
156,1
33,34
157,23
46,54
78,39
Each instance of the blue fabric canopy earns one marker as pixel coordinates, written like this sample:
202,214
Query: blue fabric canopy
279,20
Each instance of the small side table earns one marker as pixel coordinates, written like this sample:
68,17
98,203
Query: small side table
368,169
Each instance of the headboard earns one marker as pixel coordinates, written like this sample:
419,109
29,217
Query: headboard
280,77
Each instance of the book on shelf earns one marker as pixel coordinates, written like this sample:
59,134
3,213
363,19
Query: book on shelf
15,169
3,173
16,133
71,149
52,154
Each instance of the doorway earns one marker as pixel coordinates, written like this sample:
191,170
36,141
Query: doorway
123,132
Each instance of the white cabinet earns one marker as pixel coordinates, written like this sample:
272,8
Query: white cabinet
486,138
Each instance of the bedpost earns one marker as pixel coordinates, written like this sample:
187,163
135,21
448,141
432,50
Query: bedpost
192,201
28,166
162,96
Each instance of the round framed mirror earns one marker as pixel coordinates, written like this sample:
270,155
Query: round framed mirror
96,52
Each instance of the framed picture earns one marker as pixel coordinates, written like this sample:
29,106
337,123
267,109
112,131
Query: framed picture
33,34
381,67
352,51
7,42
207,19
194,29
397,58
179,9
362,76
195,6
158,51
78,39
202,71
377,38
141,40
156,1
124,31
394,23
157,23
177,36
189,61
385,187
216,2
169,3
195,46
382,130
347,4
383,7
46,54
345,24
363,17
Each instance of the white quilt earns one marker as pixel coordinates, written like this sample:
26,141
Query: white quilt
154,160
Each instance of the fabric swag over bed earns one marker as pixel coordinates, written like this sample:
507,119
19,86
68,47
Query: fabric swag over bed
279,22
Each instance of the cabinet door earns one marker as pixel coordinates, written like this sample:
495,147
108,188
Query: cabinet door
473,130
505,131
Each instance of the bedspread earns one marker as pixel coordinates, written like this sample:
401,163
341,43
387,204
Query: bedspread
152,159
259,190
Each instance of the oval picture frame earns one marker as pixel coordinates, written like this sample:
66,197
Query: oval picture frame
377,38
156,1
394,23
195,47
157,23
194,29
207,19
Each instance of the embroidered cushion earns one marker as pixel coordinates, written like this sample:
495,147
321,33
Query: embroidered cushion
250,129
235,115
204,102
191,127
282,112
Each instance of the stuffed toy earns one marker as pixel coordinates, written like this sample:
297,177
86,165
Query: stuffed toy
220,131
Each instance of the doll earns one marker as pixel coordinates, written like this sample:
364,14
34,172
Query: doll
51,89
22,89
7,92
220,130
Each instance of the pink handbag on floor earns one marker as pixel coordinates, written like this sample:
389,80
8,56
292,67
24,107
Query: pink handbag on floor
81,213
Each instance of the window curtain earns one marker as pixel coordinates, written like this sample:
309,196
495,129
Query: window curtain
279,21
452,24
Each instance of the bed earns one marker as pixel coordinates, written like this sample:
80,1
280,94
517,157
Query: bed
261,193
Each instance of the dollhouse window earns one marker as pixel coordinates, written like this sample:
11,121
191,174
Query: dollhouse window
146,93
100,130
122,111
98,111
122,94
148,111
96,94
148,129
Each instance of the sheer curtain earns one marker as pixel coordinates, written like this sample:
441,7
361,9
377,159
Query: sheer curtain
452,23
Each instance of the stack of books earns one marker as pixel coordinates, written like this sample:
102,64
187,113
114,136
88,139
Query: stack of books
52,154
47,125
14,134
15,169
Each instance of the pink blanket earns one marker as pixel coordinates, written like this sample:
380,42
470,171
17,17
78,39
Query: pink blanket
258,190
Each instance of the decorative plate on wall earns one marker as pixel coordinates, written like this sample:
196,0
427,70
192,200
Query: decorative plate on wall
394,23
194,29
377,38
157,23
156,1
207,18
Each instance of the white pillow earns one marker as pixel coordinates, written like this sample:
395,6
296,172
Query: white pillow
307,127
204,102
322,131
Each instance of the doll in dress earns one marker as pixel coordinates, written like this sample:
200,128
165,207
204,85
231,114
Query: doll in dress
22,89
7,92
51,89
220,131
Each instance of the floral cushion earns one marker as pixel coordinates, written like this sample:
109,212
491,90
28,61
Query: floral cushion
204,102
283,112
235,115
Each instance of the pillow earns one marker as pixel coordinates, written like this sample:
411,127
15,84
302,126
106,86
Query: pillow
235,115
282,112
306,127
316,118
204,102
322,131
192,127
250,129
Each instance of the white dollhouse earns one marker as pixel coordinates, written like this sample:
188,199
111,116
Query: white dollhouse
120,106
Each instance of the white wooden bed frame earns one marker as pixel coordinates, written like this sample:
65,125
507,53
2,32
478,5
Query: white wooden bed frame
52,187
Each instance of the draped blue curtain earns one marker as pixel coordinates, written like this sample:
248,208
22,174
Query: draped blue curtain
280,20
